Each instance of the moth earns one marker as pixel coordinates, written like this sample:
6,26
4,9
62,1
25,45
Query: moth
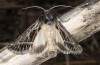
46,34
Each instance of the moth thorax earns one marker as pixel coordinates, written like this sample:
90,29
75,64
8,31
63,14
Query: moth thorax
49,32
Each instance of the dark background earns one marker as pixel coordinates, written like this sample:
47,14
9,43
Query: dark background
12,25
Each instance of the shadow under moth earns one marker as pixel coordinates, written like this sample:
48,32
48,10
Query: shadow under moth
46,34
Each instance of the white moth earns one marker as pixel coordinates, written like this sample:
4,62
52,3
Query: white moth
46,34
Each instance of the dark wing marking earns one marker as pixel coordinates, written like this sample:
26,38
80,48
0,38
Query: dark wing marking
20,48
40,44
69,44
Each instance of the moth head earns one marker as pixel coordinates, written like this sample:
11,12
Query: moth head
47,17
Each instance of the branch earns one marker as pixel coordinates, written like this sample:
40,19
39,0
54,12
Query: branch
81,23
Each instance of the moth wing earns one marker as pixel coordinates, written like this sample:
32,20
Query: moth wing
60,43
40,45
69,42
19,48
24,42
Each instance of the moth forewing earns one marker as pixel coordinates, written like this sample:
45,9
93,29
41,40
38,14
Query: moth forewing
23,43
69,42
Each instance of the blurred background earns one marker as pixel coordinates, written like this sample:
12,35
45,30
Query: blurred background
13,23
